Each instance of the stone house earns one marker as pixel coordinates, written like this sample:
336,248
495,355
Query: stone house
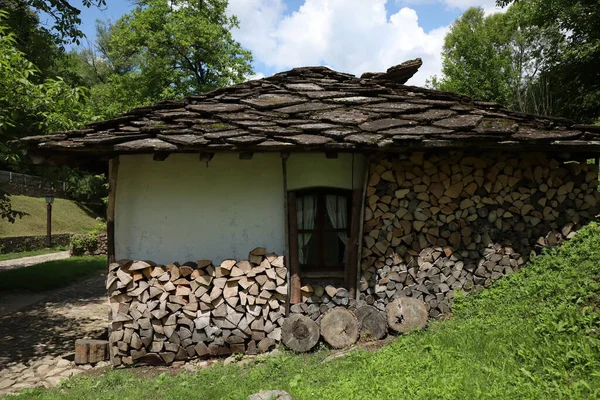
312,189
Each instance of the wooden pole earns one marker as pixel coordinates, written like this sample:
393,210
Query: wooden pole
286,255
361,223
295,285
113,170
354,242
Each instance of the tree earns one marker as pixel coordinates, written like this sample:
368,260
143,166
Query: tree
477,58
66,16
163,50
501,58
35,41
573,71
32,100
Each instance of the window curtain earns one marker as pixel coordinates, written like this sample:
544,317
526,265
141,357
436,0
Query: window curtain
306,210
337,210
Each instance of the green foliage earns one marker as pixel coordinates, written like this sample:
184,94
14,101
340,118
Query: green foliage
27,107
51,274
574,71
501,58
477,57
81,243
66,17
161,50
532,335
85,187
34,40
539,56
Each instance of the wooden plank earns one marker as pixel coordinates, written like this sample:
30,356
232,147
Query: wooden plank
113,170
295,285
351,260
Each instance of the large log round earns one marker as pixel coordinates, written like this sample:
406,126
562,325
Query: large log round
372,322
406,314
339,328
299,333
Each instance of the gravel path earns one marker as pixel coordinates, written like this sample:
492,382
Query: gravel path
29,261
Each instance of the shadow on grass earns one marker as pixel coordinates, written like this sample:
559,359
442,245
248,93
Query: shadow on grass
50,275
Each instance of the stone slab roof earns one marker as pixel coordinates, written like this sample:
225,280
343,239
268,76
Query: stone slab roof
317,109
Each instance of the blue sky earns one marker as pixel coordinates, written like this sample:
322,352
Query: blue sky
348,35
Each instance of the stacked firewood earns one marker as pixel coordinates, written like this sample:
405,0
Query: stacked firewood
439,223
162,313
317,300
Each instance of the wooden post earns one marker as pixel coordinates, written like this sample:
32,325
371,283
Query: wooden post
113,170
286,255
354,241
295,285
361,222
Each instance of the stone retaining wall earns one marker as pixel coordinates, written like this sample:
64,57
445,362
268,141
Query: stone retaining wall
30,243
435,224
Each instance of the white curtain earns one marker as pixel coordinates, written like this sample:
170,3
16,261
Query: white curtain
306,210
338,214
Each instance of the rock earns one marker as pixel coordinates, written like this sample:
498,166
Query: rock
271,395
71,372
63,363
6,383
55,380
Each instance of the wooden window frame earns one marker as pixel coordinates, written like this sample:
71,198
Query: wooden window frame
322,269
348,272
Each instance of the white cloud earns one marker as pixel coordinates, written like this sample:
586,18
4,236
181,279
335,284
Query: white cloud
489,6
256,76
349,35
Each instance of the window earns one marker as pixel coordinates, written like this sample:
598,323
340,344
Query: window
323,229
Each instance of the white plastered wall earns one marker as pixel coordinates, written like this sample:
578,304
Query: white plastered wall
180,210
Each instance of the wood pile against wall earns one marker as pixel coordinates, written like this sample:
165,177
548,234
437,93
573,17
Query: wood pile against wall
439,223
162,313
318,300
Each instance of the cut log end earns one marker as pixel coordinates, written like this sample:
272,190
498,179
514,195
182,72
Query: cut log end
340,328
407,314
299,333
373,324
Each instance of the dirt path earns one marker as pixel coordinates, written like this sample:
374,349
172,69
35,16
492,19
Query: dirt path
29,261
49,326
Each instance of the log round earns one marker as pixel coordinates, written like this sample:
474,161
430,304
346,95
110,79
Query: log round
299,333
373,324
406,314
339,328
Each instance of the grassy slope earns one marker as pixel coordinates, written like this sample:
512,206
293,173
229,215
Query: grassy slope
67,217
51,274
533,335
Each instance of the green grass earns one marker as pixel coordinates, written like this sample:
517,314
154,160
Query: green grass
67,217
51,274
15,256
533,335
